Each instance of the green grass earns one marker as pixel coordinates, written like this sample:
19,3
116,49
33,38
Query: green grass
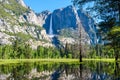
5,61
102,59
34,60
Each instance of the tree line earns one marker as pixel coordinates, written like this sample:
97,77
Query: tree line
22,50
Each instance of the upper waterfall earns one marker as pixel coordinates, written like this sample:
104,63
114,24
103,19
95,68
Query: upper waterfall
50,28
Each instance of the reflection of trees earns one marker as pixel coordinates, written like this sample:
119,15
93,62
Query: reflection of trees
5,69
19,72
117,71
62,71
102,71
81,68
92,71
23,71
44,70
73,72
46,66
68,71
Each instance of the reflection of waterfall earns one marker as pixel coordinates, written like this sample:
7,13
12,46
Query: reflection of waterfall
50,28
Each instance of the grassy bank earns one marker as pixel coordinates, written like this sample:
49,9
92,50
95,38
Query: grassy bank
5,61
102,59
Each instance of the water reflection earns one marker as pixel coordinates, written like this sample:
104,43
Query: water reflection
60,71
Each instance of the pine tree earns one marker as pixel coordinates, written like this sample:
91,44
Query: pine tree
28,50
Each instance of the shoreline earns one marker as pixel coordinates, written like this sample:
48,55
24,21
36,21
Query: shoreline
5,61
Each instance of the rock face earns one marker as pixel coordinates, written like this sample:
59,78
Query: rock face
89,26
21,2
31,18
4,38
43,17
70,17
62,18
24,25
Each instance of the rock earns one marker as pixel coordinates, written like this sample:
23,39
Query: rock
42,16
67,17
44,35
89,26
37,25
67,40
21,2
34,44
31,18
62,18
27,23
4,39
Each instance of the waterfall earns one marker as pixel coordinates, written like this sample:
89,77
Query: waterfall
50,28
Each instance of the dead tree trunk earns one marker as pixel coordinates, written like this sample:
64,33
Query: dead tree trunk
80,52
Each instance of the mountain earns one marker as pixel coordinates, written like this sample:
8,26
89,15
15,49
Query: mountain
17,21
67,21
89,25
42,16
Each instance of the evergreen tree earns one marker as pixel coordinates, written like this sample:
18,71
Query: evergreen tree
3,52
104,8
66,50
40,51
15,49
28,51
114,37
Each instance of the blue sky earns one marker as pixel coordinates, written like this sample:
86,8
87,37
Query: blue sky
41,5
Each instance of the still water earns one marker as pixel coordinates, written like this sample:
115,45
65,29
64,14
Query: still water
60,71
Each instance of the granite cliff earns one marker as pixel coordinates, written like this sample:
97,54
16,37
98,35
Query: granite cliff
66,23
19,21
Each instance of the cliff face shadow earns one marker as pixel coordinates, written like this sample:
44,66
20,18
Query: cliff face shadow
56,42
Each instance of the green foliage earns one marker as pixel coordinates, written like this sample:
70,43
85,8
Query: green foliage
27,51
20,50
14,51
106,51
16,8
23,37
5,52
111,34
104,9
4,14
114,37
114,34
69,55
29,24
40,51
9,10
